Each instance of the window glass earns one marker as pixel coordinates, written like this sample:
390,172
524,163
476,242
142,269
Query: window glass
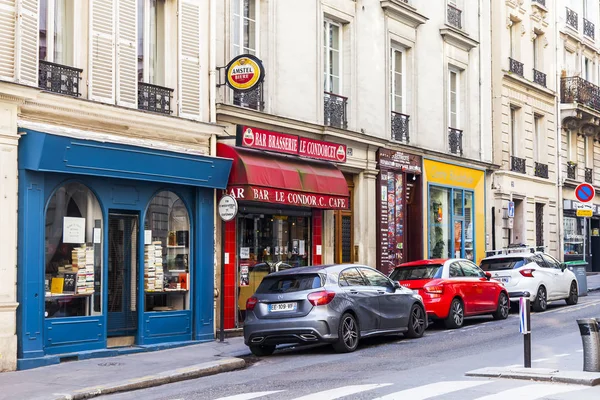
332,60
499,264
167,256
455,270
453,117
353,277
73,273
54,32
290,283
471,270
374,277
150,14
536,258
573,235
432,271
550,262
439,222
244,28
397,81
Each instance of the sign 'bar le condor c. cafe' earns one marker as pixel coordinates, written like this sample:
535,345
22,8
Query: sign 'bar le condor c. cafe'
287,197
263,139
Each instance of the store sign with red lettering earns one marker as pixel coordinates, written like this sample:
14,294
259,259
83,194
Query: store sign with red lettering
263,139
288,197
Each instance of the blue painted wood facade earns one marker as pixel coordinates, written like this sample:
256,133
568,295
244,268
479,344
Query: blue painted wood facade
122,178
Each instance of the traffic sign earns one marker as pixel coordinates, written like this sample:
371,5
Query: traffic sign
228,208
584,212
585,192
511,209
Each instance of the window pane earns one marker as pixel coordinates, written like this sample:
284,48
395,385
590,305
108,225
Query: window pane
290,283
152,43
455,270
398,67
167,257
140,35
43,24
398,104
353,277
335,37
334,66
60,34
73,273
398,89
335,85
249,35
250,9
431,271
458,203
469,245
375,278
439,232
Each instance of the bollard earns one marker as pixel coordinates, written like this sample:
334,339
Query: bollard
590,337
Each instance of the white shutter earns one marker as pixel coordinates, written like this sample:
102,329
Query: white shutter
102,51
127,53
7,39
189,59
27,42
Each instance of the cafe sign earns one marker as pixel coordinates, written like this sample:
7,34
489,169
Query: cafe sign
288,197
244,73
263,139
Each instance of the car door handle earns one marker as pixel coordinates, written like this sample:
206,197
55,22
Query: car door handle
381,291
354,292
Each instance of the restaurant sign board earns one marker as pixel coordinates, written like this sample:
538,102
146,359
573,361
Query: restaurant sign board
288,197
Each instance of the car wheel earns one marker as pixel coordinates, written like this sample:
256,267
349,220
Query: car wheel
261,351
347,334
456,315
416,322
503,307
573,294
540,303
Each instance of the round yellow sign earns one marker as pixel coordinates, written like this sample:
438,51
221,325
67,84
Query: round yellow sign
244,72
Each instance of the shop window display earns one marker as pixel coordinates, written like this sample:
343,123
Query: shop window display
439,223
574,235
73,272
166,254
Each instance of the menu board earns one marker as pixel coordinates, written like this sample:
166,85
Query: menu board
383,262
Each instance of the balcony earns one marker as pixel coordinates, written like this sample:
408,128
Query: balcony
572,19
589,29
59,78
400,130
335,110
578,90
539,77
455,137
515,66
253,99
518,165
589,175
454,16
541,170
571,170
154,98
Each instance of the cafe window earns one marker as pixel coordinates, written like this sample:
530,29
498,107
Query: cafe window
574,235
344,231
167,254
73,272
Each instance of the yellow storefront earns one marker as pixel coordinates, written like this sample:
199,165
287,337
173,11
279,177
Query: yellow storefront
455,218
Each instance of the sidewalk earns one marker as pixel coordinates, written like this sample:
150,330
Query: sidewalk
593,282
95,377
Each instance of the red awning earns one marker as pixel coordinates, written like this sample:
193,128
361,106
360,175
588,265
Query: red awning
273,178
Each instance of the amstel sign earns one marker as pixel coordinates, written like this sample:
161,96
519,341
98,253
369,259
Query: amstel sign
244,72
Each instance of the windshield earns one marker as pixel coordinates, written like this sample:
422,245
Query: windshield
498,264
289,283
432,271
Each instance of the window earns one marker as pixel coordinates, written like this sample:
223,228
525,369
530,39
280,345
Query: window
454,99
290,283
536,137
586,152
513,131
167,254
451,223
397,89
431,271
56,31
471,270
244,27
550,262
573,236
375,278
500,264
332,56
343,223
151,22
536,52
456,271
514,37
352,277
585,9
73,272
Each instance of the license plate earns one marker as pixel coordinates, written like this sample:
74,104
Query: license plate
415,291
278,307
503,279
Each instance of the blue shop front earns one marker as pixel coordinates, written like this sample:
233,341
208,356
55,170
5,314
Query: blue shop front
116,248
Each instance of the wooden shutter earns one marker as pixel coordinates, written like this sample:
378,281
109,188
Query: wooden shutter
7,39
27,42
102,51
189,60
127,53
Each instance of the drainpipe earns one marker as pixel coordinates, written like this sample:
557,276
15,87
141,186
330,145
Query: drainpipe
212,60
559,172
481,106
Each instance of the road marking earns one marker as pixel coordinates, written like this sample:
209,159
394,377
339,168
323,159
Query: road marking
513,366
531,392
248,396
580,351
562,355
540,360
341,392
431,390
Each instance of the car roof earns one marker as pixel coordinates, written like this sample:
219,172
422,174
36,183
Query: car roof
315,269
523,254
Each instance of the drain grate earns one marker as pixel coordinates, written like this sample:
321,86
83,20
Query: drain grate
111,364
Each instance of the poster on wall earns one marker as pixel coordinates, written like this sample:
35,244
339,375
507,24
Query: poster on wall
73,230
399,219
244,253
244,275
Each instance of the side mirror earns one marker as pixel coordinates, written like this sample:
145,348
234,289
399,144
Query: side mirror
488,276
563,266
396,285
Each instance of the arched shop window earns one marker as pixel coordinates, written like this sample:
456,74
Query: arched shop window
167,254
73,273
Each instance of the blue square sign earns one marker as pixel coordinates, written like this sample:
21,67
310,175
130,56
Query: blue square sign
511,209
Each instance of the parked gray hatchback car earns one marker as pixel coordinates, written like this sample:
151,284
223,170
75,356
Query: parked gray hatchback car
336,304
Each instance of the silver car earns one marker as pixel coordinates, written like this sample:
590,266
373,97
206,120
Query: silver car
337,304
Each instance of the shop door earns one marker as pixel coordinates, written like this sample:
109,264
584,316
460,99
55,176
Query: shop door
122,276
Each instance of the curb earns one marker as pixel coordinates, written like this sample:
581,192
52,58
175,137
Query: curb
181,374
539,374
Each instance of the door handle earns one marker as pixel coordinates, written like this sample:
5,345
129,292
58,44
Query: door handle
381,291
354,292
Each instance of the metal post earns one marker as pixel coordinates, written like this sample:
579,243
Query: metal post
222,292
585,236
525,327
588,328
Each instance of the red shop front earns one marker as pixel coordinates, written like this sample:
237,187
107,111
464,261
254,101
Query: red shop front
282,183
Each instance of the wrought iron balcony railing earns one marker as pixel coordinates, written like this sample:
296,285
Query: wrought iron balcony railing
154,98
515,66
253,99
541,170
400,131
589,29
572,19
589,175
455,141
577,90
518,165
571,170
59,78
539,77
542,2
335,110
454,16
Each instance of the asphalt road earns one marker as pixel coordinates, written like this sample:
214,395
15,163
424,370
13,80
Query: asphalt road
393,367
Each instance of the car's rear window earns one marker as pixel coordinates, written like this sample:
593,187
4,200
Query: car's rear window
289,283
499,264
432,271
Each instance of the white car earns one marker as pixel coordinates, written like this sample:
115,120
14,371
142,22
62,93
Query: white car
540,274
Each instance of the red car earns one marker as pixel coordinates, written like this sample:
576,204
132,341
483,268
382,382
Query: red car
453,289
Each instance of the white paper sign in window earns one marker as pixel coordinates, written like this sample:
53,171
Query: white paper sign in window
73,230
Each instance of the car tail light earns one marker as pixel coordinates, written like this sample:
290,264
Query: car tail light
321,298
436,289
251,303
527,273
